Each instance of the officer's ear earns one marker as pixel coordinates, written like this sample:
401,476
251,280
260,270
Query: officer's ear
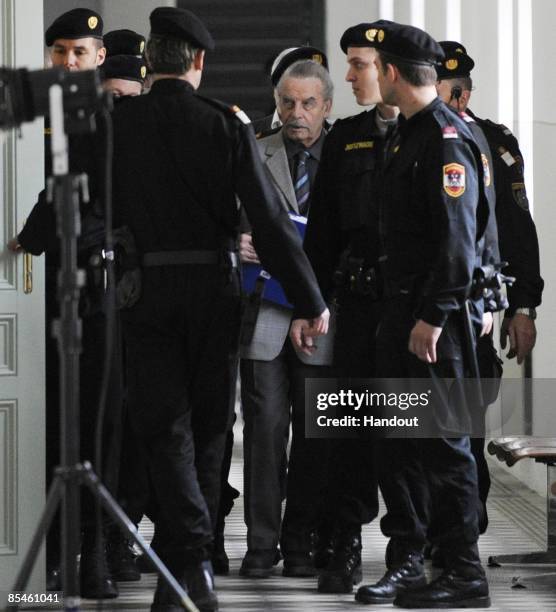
101,55
199,59
392,73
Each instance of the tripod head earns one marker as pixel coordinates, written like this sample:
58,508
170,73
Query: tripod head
488,281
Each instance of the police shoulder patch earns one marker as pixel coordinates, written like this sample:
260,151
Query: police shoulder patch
454,179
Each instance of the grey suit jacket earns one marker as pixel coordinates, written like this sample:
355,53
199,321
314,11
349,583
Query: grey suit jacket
273,322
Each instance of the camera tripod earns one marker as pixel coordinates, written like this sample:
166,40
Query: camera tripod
71,474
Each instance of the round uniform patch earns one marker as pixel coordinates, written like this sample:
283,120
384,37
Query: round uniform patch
451,64
92,22
486,169
143,72
380,35
454,180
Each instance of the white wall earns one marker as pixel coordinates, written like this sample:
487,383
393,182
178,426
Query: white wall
117,14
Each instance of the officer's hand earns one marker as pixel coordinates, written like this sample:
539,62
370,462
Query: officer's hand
422,341
521,331
13,245
247,253
302,332
488,322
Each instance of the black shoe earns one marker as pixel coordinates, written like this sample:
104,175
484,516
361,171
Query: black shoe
344,568
299,565
259,563
449,590
409,575
121,559
96,581
53,578
197,582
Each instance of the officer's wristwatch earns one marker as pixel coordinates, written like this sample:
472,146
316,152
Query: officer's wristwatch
528,312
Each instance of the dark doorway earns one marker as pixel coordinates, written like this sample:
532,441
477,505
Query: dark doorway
249,34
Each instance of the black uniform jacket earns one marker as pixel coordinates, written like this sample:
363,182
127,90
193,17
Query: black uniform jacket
344,203
519,244
429,211
179,161
490,249
39,233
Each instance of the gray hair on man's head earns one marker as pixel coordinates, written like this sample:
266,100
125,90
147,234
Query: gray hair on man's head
309,69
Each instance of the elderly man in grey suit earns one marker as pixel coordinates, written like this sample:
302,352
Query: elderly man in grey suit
272,373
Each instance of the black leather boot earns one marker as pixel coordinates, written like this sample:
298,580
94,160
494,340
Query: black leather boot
96,581
463,584
406,576
198,583
344,568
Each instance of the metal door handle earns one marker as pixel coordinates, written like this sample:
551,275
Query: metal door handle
27,273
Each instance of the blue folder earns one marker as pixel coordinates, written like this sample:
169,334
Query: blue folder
272,291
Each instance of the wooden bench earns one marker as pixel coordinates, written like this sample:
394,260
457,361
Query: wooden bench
542,450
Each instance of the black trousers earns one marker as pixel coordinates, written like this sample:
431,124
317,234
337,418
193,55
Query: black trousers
429,485
352,489
181,340
272,394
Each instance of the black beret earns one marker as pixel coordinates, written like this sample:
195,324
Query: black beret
181,23
124,42
407,43
127,67
362,35
290,56
456,63
77,23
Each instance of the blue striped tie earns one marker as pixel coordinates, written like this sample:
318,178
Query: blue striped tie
302,185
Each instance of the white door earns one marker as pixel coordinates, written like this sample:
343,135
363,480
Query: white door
22,387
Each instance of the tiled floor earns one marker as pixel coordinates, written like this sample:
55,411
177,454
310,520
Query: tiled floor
517,518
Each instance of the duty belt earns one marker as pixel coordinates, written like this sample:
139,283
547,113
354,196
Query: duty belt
186,258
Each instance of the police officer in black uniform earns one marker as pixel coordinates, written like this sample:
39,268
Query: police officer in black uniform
344,217
180,159
123,73
517,234
124,70
75,42
433,210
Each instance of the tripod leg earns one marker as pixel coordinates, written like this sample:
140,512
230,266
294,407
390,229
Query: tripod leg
119,516
53,499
